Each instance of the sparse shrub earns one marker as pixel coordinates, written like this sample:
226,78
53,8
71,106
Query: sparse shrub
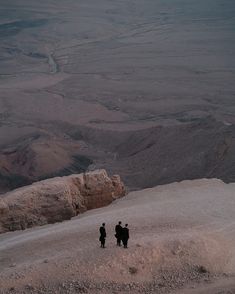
133,270
202,269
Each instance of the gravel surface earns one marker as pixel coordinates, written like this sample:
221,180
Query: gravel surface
181,239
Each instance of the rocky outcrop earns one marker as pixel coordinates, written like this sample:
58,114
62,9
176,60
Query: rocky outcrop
57,199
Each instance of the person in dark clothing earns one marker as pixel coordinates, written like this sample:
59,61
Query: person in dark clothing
118,233
125,235
102,236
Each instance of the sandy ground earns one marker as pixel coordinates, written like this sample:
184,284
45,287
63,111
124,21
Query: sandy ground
182,241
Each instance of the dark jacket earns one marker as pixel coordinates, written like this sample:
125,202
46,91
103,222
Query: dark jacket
125,233
118,231
102,232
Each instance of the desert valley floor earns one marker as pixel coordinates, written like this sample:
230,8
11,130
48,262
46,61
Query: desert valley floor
144,89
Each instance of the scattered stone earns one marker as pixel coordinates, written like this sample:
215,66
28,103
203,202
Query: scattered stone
161,285
13,265
29,287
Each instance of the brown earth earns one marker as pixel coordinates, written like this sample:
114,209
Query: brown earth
143,158
162,154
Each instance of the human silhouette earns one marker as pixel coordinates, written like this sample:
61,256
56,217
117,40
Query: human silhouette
102,236
125,235
118,233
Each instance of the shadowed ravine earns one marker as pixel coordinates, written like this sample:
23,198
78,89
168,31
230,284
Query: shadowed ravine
143,158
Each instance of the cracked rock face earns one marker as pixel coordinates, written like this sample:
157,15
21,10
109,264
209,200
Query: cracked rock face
57,199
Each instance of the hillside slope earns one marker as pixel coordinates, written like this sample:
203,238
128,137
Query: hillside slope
143,158
181,237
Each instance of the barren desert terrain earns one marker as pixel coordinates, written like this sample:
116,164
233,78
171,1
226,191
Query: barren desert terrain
90,84
181,241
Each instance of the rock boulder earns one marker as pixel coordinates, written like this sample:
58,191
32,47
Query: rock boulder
57,199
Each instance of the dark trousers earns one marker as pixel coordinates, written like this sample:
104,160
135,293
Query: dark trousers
102,242
125,241
119,239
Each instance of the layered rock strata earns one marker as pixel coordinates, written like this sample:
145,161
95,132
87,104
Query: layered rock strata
57,199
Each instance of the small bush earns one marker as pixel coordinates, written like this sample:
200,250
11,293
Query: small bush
202,269
133,270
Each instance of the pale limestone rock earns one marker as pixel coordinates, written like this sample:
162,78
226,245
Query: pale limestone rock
57,199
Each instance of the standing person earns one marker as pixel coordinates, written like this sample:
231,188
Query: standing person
118,233
102,236
125,235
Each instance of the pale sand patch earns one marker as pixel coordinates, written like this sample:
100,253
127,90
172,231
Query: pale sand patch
175,231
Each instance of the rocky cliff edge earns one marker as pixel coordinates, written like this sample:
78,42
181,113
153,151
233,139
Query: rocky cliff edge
57,199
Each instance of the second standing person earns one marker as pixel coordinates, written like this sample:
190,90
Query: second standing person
118,233
125,235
